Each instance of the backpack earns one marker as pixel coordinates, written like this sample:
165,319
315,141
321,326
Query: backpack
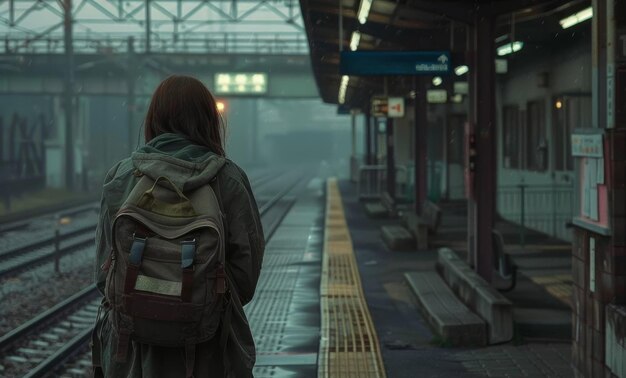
167,283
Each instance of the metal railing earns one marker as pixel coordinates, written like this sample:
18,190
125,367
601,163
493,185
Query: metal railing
545,208
218,43
372,182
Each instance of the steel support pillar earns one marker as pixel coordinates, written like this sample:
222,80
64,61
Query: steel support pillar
469,129
11,12
420,134
131,102
353,158
375,140
602,289
353,132
367,118
485,116
68,100
391,161
148,26
255,131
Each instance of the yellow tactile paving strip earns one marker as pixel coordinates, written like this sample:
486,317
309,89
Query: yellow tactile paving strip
349,345
559,286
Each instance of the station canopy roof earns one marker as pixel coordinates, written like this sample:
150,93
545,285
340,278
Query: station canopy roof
175,26
412,25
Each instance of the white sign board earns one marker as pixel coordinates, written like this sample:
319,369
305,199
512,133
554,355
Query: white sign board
502,66
395,107
437,96
461,87
587,145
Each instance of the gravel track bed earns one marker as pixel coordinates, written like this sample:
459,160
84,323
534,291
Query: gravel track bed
78,366
24,296
40,229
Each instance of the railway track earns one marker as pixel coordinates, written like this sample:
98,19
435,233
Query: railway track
38,343
42,346
17,260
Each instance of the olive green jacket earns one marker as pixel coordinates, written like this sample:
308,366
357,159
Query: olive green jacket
189,166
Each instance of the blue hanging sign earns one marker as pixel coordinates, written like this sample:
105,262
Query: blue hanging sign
389,63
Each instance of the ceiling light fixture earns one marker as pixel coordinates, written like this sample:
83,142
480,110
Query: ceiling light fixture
576,18
510,48
437,80
343,87
461,70
364,10
354,41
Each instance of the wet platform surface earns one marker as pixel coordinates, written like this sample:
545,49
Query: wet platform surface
284,314
293,322
409,347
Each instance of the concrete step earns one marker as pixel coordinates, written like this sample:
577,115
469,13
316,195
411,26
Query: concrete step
397,238
376,210
478,295
541,323
417,227
445,313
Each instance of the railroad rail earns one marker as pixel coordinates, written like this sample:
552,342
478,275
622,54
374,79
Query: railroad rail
45,343
26,257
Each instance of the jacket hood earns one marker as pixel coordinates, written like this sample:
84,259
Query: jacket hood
187,165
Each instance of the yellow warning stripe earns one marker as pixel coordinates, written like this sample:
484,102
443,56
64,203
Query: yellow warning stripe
349,344
558,285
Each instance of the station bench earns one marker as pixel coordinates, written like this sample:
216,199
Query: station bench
415,229
385,208
504,264
478,295
451,319
423,225
397,238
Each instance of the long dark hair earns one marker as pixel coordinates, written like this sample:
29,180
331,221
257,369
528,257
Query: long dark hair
183,105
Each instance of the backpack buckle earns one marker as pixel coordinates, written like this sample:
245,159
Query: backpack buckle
188,250
136,249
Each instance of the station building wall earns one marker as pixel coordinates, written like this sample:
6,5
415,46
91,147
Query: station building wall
538,103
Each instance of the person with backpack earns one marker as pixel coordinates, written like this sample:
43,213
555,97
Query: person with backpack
179,248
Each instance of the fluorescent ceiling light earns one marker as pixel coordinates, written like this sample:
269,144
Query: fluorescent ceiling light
364,10
343,87
354,41
510,48
461,70
437,80
576,18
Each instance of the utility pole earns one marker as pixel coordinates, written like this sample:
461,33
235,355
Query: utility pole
131,102
68,104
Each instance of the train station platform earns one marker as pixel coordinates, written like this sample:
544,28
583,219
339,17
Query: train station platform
541,343
333,301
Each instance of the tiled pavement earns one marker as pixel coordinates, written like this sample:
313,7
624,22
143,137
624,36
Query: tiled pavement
409,347
528,360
